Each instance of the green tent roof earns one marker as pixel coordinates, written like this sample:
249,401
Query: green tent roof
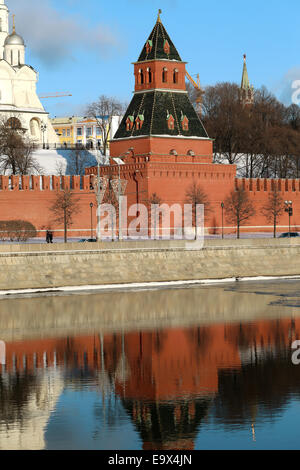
155,106
157,40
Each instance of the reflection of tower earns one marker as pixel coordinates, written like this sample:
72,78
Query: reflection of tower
168,425
172,381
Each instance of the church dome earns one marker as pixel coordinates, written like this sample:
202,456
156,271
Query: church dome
14,40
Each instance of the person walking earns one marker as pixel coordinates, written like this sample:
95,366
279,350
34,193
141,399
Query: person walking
48,236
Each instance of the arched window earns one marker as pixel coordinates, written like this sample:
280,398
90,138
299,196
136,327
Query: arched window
14,123
0,24
149,75
140,77
175,76
35,127
173,152
191,153
165,75
11,57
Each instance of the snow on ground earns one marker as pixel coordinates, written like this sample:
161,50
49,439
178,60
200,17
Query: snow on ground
55,162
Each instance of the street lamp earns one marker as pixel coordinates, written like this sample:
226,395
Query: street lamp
91,206
120,189
222,206
43,129
98,196
289,210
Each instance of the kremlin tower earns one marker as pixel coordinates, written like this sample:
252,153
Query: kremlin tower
160,119
246,90
163,143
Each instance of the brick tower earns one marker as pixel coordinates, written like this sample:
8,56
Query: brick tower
163,143
160,120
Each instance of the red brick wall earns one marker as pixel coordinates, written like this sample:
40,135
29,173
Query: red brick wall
30,197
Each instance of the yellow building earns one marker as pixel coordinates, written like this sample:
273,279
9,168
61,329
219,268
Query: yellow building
82,130
64,128
87,132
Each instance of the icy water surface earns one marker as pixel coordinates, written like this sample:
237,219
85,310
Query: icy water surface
199,368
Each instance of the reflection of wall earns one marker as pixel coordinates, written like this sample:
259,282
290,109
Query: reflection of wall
167,379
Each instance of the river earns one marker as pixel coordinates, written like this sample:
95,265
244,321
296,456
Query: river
207,367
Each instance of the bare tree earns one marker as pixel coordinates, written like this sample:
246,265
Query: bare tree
15,151
78,160
64,208
195,195
238,208
223,118
103,111
273,208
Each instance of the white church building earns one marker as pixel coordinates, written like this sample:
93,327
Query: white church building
19,102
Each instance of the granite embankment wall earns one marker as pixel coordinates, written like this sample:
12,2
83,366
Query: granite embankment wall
40,266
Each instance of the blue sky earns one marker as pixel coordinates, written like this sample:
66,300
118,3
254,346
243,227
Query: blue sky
87,47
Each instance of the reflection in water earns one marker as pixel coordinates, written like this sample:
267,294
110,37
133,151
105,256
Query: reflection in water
170,384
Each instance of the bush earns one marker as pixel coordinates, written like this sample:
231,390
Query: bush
17,230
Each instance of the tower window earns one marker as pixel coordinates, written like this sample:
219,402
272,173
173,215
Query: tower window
141,77
148,46
166,47
175,76
170,121
165,75
184,122
129,123
149,72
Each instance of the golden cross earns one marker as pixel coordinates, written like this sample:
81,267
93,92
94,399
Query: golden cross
158,17
14,27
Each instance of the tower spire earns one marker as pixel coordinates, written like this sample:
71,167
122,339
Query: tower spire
246,90
245,79
158,16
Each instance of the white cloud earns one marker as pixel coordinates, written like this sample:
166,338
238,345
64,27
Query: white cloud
54,37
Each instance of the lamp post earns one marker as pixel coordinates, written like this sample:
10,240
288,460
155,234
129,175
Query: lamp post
43,129
98,197
119,193
91,206
222,206
289,210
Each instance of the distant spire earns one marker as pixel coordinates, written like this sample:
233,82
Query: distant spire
246,91
158,16
245,79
